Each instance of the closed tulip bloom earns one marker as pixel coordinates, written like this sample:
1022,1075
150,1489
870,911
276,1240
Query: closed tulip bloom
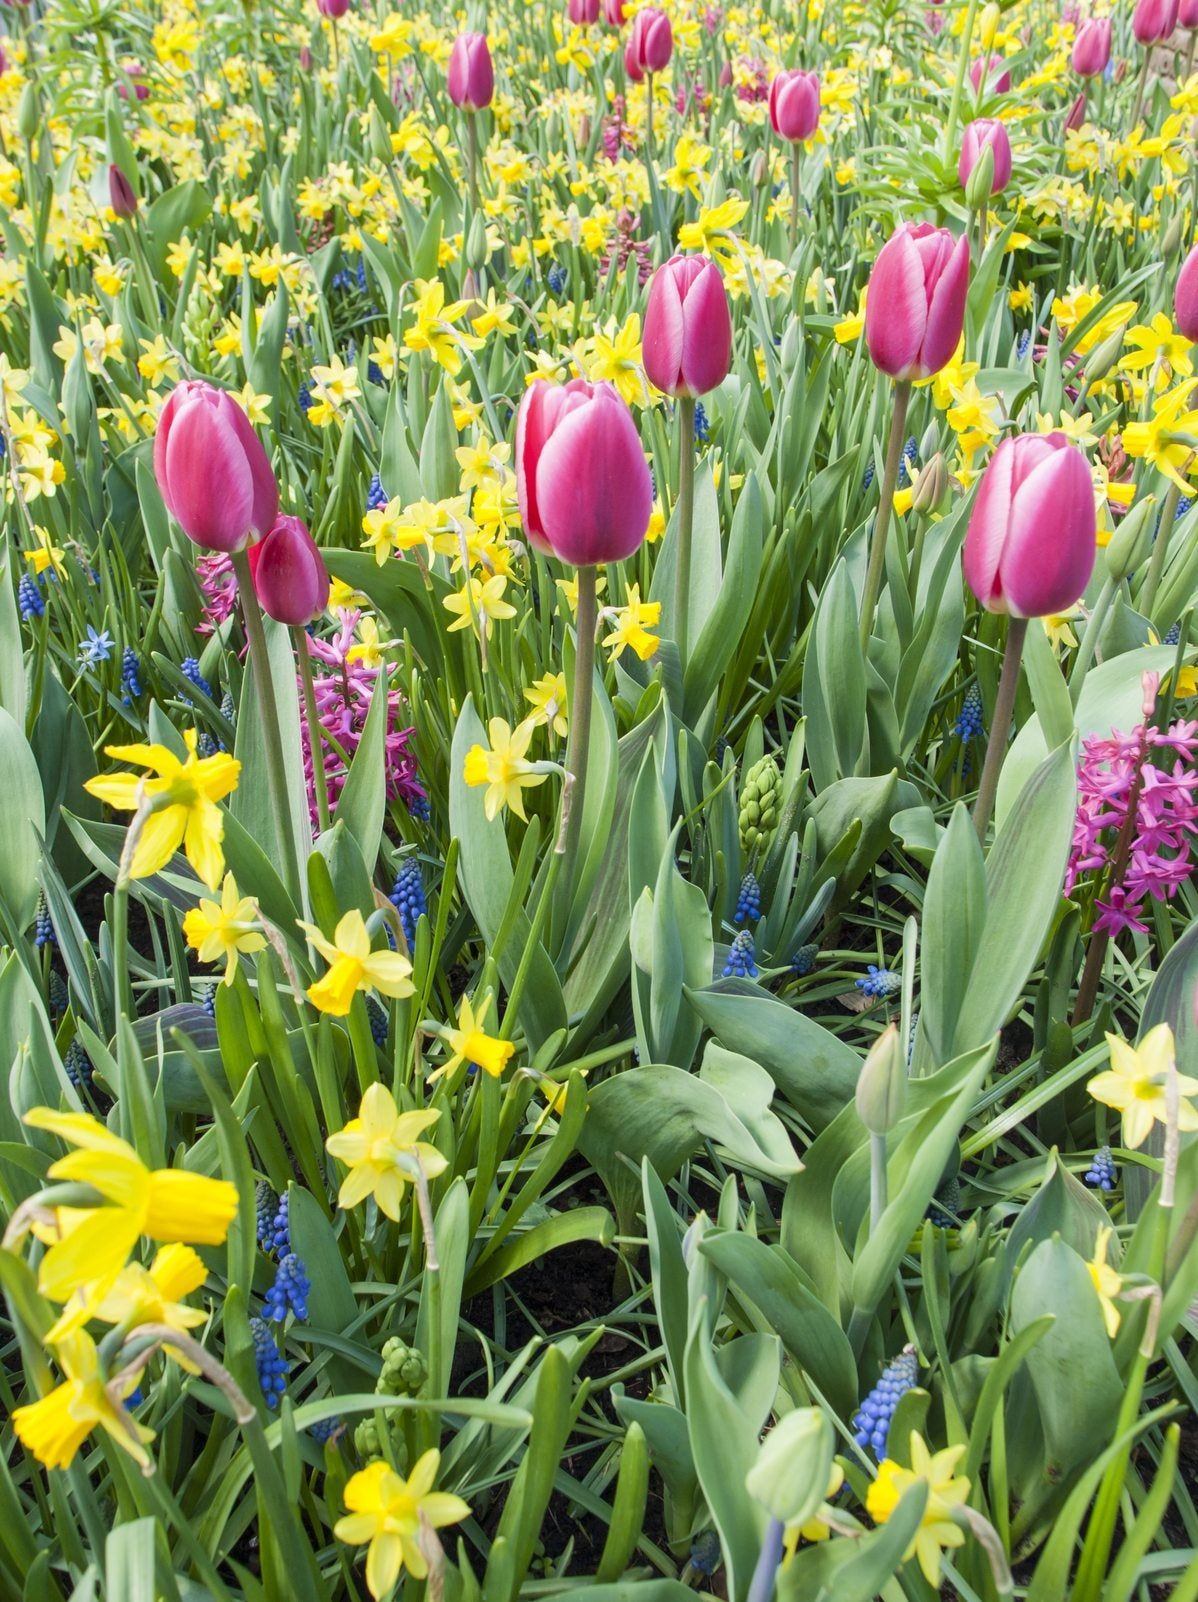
471,75
120,193
650,44
688,328
290,578
998,79
1031,542
1154,20
986,133
582,12
794,105
613,13
332,8
1185,300
1187,13
211,468
1076,115
915,305
581,476
1092,47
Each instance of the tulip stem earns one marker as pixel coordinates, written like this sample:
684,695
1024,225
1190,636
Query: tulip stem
877,549
796,158
686,522
579,740
954,105
1160,548
1000,727
472,157
272,738
320,782
1142,88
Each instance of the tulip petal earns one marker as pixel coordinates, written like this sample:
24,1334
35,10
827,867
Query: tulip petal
946,311
593,484
987,532
707,333
211,485
663,334
896,309
1052,542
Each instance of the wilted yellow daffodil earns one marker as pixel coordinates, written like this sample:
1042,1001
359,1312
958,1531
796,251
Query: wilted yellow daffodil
353,966
387,1511
167,1204
1136,1085
185,795
936,1531
224,928
55,1427
469,1042
503,769
378,1147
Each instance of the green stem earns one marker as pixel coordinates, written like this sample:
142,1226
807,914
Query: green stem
578,744
877,1179
1142,87
954,105
877,549
686,520
1089,640
272,737
315,742
796,157
1160,547
472,157
1004,707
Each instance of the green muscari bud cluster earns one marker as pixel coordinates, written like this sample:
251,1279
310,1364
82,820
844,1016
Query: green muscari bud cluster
404,1369
760,799
199,325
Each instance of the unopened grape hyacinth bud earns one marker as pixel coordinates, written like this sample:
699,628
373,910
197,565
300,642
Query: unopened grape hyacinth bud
760,799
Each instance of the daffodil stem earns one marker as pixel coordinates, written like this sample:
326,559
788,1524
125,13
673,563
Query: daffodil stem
578,744
877,548
122,998
686,523
1160,548
1089,640
366,1056
276,771
1000,727
320,781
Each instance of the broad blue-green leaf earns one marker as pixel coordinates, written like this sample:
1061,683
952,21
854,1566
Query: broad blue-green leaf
954,916
834,684
22,823
276,698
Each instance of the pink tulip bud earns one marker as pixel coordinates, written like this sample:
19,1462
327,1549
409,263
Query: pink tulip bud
1185,300
471,75
650,44
1187,13
998,79
986,133
726,75
290,578
212,469
1076,114
134,74
794,105
915,305
305,59
120,193
582,12
581,476
332,8
1032,539
613,13
688,328
1154,20
1092,47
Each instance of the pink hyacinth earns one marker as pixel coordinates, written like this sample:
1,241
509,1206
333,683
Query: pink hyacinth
344,691
1151,771
219,586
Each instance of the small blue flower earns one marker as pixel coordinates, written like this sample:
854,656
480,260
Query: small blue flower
324,1429
378,1021
30,600
374,373
280,1229
60,996
969,724
867,477
705,1552
741,955
43,930
228,708
907,462
209,1001
376,495
803,960
871,1421
408,898
557,279
130,674
944,1209
1102,1173
1173,635
265,1206
879,982
95,648
190,670
206,746
78,1065
702,424
419,808
1022,343
305,397
748,901
289,1293
1184,502
272,1366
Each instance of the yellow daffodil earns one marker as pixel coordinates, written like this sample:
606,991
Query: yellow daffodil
478,604
1106,1282
55,1427
184,794
379,1147
224,928
631,624
469,1042
503,768
353,966
140,1295
549,703
167,1204
1136,1085
936,1531
386,1513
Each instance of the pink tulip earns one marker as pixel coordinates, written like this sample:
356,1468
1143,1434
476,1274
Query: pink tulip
582,12
915,306
1092,47
1076,115
688,328
332,8
650,44
121,196
1185,299
998,79
581,476
471,75
794,105
1187,13
986,133
211,468
613,13
135,75
1154,20
290,578
1032,540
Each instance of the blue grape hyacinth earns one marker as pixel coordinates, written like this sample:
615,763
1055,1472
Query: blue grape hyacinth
748,901
969,725
741,962
871,1421
289,1293
879,982
408,898
1102,1173
272,1366
376,495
